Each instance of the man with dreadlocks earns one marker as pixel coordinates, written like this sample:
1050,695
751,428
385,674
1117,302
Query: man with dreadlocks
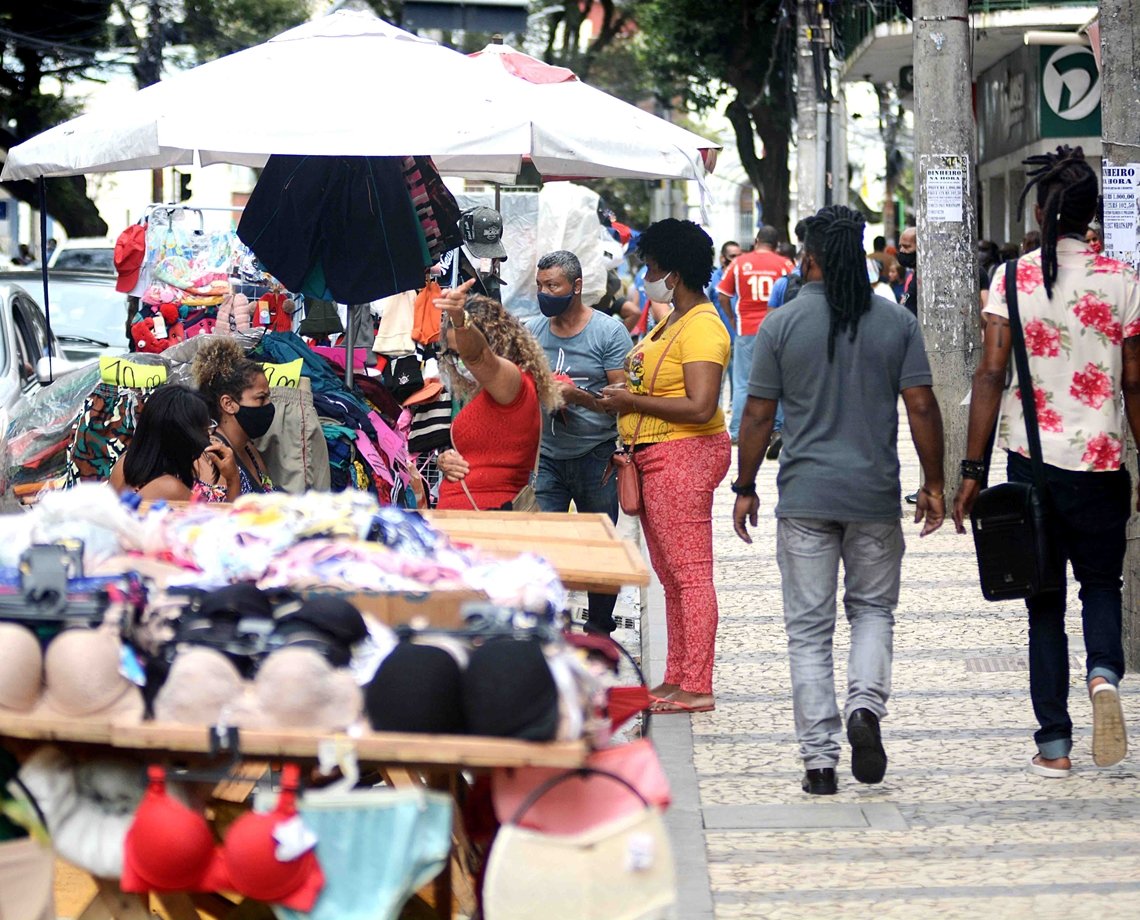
839,357
1080,312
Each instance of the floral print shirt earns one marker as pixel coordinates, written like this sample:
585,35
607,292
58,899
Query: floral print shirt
1075,356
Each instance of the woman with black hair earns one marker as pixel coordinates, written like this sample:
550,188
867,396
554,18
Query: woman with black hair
237,393
669,414
173,454
1080,315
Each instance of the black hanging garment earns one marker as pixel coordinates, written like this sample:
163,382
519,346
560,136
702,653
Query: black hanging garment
338,228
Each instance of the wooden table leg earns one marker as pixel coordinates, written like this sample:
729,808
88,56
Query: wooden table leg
112,903
443,888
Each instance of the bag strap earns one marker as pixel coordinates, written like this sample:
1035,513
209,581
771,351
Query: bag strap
657,370
1024,378
580,773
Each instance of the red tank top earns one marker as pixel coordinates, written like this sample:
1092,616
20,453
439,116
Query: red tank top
499,444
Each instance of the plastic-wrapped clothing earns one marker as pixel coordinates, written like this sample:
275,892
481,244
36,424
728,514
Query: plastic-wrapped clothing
106,425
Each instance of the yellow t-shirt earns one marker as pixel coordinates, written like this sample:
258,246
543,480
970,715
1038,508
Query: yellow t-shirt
699,336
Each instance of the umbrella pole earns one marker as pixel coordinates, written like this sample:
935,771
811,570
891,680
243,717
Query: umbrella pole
349,348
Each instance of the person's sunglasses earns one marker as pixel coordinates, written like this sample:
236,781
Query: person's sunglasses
449,353
211,427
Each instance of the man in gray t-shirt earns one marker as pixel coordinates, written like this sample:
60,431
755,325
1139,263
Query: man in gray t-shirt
587,348
838,358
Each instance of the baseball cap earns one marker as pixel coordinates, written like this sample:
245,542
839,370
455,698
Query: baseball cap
130,248
483,232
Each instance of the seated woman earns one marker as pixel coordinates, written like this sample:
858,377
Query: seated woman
172,455
237,393
493,362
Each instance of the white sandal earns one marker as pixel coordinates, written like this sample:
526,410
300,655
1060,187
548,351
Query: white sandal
1039,769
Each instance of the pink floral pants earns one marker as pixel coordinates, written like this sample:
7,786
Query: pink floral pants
678,479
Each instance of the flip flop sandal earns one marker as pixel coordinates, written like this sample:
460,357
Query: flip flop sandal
1039,769
675,706
1109,741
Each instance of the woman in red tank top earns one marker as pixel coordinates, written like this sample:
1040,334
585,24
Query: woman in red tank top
492,361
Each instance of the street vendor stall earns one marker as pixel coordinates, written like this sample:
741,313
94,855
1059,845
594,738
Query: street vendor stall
167,549
285,678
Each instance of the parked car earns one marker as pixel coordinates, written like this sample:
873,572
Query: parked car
24,341
88,316
85,254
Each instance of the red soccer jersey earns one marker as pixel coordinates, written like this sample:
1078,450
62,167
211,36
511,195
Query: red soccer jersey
751,277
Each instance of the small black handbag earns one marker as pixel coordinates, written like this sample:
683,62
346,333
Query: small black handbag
1017,557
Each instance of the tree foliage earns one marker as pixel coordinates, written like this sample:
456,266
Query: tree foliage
699,52
38,42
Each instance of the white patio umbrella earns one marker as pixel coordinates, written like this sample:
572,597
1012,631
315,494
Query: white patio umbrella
350,84
578,131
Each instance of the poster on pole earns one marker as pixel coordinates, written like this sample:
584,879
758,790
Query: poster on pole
1119,190
945,191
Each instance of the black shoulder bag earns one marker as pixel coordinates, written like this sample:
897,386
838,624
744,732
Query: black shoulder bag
1016,556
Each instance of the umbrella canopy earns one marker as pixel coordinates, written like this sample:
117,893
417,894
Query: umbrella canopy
350,84
579,131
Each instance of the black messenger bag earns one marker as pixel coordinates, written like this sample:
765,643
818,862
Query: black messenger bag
1016,556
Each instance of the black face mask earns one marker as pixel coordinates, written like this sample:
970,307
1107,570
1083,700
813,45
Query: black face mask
255,420
554,305
907,259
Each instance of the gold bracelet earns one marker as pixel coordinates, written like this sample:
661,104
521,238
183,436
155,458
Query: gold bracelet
939,495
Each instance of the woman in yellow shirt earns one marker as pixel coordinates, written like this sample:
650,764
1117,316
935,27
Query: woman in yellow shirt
669,413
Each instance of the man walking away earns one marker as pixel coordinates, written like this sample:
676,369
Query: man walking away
750,278
589,347
839,357
1080,312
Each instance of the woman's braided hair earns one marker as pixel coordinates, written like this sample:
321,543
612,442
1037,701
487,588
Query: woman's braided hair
1067,190
835,241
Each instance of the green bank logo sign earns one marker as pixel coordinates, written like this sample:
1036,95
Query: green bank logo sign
1071,83
1070,92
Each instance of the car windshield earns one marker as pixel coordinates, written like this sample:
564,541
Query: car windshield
86,260
90,309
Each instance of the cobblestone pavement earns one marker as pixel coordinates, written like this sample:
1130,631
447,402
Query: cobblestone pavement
959,827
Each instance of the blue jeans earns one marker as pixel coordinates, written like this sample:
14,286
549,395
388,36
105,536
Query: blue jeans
742,349
808,553
579,479
1090,512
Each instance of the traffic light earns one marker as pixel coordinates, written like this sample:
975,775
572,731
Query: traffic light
184,186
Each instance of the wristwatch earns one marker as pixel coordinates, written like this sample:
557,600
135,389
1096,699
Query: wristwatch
972,469
746,490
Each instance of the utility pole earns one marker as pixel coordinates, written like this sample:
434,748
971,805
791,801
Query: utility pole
810,165
1120,119
945,162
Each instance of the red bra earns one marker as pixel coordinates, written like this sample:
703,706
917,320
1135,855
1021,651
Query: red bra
171,848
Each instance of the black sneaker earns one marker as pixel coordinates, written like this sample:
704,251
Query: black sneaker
868,759
775,445
820,782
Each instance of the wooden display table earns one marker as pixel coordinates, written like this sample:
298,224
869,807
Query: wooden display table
404,759
585,549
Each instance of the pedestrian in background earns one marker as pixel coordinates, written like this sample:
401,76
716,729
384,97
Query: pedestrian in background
1080,313
750,279
839,358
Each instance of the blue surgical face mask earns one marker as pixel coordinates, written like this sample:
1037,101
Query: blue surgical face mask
553,305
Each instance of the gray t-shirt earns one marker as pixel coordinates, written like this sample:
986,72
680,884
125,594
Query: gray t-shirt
840,459
601,346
